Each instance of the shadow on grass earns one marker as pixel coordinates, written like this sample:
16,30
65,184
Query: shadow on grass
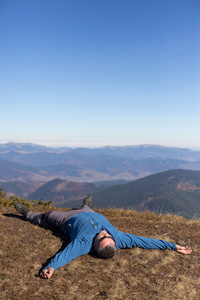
14,216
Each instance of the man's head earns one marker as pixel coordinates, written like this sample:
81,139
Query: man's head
104,245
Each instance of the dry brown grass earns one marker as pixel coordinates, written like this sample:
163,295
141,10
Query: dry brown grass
131,274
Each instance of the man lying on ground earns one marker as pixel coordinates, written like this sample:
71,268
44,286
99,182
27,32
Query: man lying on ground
90,232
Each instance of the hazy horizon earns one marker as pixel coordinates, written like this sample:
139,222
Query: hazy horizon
92,147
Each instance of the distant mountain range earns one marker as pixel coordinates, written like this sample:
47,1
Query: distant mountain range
27,170
29,162
175,191
135,152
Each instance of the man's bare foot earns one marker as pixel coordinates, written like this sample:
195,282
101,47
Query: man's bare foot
47,273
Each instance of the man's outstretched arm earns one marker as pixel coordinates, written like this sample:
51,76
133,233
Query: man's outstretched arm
129,240
183,250
72,251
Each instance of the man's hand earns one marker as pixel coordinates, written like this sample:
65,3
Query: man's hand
183,250
47,273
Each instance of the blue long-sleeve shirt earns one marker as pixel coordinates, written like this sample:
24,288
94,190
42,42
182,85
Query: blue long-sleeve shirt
83,228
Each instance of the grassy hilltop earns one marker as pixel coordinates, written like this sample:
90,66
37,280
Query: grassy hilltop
131,274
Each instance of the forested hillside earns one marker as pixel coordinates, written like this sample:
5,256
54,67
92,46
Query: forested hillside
59,190
175,191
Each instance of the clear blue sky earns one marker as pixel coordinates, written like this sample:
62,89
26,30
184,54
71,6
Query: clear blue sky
100,72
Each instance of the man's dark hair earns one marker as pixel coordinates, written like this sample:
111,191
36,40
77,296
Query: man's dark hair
106,252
